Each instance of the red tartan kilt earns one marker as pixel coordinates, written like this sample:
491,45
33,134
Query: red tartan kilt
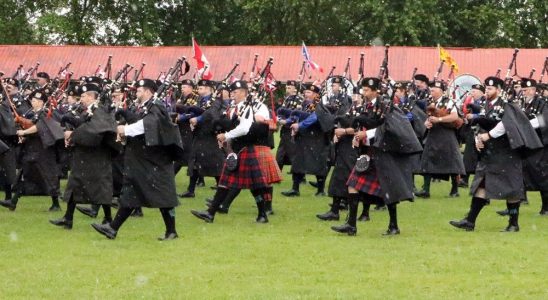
268,163
366,182
249,174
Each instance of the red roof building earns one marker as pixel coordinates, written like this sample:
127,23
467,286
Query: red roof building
287,59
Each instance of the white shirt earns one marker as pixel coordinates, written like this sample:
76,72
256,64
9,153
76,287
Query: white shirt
136,128
246,118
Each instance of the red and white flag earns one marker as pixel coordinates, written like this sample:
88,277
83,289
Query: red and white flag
306,55
203,68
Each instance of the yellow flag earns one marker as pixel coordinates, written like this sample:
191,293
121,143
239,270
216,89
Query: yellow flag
444,55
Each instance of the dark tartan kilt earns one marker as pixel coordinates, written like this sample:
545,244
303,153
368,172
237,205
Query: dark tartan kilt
268,164
249,174
366,182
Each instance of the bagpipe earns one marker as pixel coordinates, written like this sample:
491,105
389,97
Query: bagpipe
432,110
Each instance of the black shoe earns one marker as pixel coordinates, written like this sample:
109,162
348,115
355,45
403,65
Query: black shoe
291,193
423,194
213,187
345,228
54,208
105,230
391,231
106,221
200,184
204,215
262,219
137,213
463,224
187,195
319,194
169,236
222,210
364,218
67,224
328,216
87,211
511,228
462,184
8,204
313,183
454,195
524,202
503,212
543,212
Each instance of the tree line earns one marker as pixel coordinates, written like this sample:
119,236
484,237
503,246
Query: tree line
465,23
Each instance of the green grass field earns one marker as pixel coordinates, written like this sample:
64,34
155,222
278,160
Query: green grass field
295,256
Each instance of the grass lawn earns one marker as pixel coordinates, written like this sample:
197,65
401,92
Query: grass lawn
295,256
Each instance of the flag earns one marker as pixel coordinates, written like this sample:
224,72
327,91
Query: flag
201,61
309,62
444,55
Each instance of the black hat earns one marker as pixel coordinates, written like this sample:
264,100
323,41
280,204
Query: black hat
356,90
42,75
478,87
239,84
516,82
371,82
421,77
147,83
41,94
83,78
205,82
89,87
94,80
291,83
74,90
12,81
528,82
107,81
312,88
187,82
494,81
438,84
337,79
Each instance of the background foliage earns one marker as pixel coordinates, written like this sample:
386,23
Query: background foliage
473,23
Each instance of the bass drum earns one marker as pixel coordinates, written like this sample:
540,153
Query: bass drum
459,88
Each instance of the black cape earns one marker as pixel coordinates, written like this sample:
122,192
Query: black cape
90,180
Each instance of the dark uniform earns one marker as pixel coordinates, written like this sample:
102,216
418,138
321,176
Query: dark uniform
205,158
499,173
39,155
8,144
390,155
183,107
312,146
286,147
441,157
153,144
536,164
470,155
93,143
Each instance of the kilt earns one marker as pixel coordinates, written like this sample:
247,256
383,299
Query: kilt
268,164
366,182
249,174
